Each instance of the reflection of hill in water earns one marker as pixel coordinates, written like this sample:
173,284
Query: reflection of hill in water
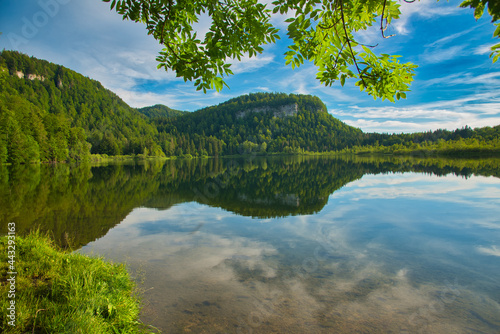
81,204
263,187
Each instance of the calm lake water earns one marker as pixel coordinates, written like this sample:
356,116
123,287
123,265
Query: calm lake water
285,245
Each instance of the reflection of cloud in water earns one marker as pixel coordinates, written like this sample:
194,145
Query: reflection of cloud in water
314,274
476,192
423,186
183,252
493,250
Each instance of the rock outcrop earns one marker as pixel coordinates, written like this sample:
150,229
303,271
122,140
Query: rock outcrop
280,112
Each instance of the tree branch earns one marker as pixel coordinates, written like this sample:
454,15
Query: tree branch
349,42
382,28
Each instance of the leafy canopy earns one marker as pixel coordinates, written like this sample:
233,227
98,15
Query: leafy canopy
321,31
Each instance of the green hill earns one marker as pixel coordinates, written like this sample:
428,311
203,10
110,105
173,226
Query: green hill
50,113
160,110
54,111
261,122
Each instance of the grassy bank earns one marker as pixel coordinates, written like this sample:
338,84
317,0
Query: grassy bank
61,292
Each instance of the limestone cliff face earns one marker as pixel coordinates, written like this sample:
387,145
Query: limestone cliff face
21,75
280,112
34,76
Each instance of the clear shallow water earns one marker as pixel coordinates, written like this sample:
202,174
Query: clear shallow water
385,253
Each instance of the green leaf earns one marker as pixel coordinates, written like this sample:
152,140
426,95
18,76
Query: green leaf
321,32
342,79
495,58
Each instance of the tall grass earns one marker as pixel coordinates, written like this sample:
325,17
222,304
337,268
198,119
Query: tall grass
61,292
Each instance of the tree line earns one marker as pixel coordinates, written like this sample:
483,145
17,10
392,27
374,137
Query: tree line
460,142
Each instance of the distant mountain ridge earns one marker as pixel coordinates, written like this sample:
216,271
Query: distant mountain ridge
160,110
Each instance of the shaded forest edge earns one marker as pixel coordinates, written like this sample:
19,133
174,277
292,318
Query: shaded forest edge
49,113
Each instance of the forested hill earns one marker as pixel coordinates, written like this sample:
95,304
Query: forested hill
159,110
54,113
51,113
261,122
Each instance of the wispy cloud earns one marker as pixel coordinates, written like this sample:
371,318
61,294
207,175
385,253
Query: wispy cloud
483,49
144,99
450,38
423,8
493,250
476,110
264,89
248,64
301,81
440,55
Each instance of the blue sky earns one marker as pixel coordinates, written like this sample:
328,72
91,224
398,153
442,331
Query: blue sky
456,83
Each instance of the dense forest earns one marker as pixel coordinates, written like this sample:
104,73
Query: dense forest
460,142
159,110
49,113
259,123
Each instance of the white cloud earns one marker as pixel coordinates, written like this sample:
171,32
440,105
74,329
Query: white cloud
411,185
203,25
248,64
339,94
483,49
262,88
400,113
302,81
442,41
440,55
424,8
415,126
493,250
475,110
143,99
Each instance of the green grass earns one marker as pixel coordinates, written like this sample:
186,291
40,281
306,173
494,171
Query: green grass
62,292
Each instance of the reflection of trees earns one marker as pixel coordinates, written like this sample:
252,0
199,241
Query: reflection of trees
434,166
75,204
266,187
83,203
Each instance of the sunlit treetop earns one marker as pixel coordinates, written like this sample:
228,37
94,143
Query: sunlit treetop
321,31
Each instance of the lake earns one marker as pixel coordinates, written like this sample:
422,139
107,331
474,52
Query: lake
284,244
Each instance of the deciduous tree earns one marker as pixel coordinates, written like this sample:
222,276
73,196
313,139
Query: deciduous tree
321,31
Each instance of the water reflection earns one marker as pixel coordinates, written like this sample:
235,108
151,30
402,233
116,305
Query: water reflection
79,204
284,245
388,253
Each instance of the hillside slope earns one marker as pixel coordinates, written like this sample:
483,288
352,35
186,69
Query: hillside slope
74,101
160,110
261,122
51,113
